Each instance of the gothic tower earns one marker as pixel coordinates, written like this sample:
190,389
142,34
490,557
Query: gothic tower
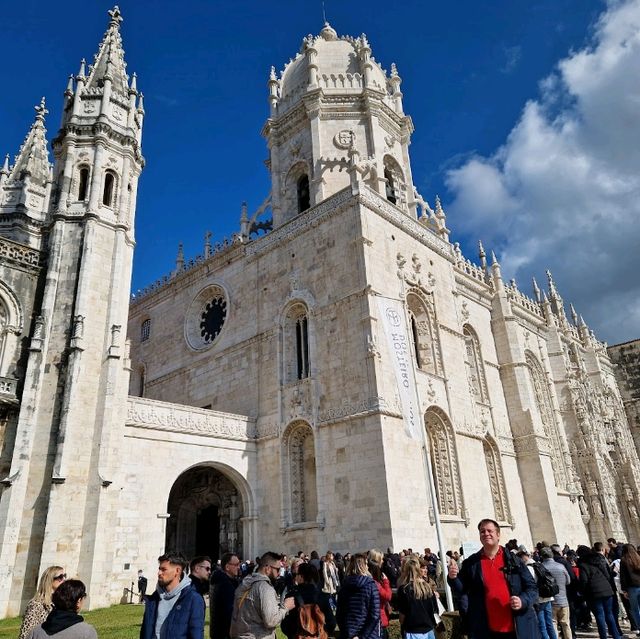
334,105
59,493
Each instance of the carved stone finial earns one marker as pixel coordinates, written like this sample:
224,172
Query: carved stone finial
328,33
115,17
41,110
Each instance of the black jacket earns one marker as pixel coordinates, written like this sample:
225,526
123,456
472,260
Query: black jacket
308,594
222,592
596,579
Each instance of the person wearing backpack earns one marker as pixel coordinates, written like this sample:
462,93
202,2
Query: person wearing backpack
596,583
560,603
547,587
312,617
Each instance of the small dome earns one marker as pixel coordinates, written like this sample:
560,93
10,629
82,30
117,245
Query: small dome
339,68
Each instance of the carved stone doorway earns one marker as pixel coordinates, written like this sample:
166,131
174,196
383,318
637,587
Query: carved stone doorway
204,514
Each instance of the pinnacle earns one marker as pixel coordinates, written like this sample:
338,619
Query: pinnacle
109,61
33,157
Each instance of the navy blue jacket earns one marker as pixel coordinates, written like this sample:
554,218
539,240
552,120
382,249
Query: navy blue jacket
358,613
185,621
469,586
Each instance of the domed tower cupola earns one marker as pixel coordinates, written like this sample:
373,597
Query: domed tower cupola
330,102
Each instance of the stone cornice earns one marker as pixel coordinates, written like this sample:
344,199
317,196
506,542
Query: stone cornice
177,418
398,218
301,223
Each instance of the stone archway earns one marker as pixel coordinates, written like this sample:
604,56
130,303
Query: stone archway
205,511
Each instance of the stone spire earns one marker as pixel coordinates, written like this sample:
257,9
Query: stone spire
482,256
33,157
180,258
536,290
109,61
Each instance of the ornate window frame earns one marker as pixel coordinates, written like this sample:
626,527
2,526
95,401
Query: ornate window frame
299,479
475,366
422,321
497,483
444,463
544,406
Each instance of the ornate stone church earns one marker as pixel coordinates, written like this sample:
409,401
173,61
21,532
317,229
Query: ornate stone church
251,398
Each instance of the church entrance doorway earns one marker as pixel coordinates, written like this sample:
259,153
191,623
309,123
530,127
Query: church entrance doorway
204,514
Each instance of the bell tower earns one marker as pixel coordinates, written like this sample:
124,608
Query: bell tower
332,107
62,486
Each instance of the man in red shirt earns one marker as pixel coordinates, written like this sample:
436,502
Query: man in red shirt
496,590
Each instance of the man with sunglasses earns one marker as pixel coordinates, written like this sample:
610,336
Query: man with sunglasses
256,608
200,574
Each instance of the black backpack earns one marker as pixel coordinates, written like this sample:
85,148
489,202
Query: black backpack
547,586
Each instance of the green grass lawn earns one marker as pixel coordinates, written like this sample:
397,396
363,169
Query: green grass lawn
123,622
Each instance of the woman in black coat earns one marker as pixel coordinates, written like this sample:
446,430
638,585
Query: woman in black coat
596,584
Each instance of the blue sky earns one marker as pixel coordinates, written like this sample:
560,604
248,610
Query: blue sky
483,82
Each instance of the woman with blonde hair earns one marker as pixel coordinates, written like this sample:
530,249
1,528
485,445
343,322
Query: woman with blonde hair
358,613
417,603
375,558
40,606
330,580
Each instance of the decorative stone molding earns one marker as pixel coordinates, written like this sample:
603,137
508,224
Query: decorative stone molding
20,254
156,415
299,224
400,219
372,404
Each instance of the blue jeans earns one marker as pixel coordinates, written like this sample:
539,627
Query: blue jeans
602,609
420,635
634,603
545,621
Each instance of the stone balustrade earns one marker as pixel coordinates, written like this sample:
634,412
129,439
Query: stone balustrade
178,418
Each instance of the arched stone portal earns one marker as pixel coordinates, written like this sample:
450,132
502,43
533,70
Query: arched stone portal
205,510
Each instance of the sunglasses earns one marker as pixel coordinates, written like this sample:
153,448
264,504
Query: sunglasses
61,577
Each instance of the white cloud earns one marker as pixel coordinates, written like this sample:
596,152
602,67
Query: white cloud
563,192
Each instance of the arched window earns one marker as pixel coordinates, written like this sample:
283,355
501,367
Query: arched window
475,367
304,201
296,343
83,184
444,462
109,188
390,189
301,474
394,181
497,485
425,337
544,405
145,330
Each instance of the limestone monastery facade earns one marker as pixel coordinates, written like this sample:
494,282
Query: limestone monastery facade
249,400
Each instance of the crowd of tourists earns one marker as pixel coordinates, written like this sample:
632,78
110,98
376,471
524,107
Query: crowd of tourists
501,592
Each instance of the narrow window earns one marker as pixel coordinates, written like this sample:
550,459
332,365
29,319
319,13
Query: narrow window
84,183
143,381
302,348
303,194
390,187
109,184
145,330
416,339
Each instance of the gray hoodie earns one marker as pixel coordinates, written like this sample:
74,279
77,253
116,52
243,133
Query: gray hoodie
256,609
168,601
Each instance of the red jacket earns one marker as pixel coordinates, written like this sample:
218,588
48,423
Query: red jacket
384,589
